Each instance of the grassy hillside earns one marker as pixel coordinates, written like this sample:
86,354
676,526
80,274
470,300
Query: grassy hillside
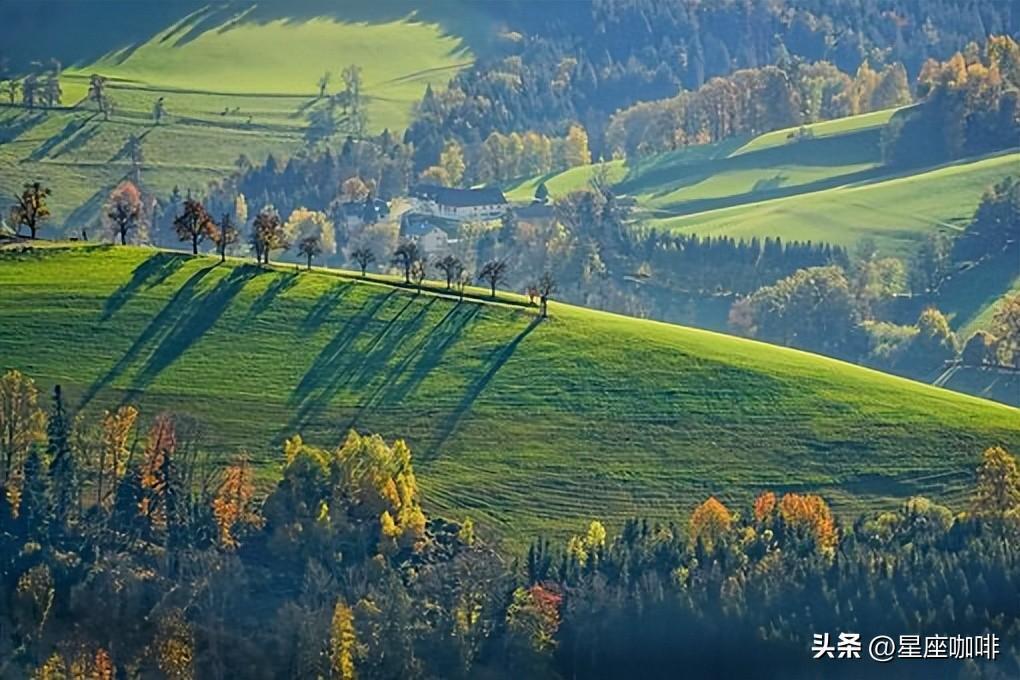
829,186
713,170
523,426
896,211
234,81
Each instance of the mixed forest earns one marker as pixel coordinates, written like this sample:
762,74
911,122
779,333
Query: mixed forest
653,154
126,553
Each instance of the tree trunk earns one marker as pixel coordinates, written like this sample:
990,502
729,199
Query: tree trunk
309,262
494,290
123,236
194,244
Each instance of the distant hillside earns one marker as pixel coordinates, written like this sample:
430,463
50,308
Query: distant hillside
524,426
826,183
237,79
823,183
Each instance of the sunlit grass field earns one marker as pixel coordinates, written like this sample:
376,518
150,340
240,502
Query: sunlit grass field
232,85
525,426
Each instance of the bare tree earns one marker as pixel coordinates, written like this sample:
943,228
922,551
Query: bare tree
324,80
11,88
451,267
463,281
418,273
494,272
546,287
364,257
406,254
226,235
159,110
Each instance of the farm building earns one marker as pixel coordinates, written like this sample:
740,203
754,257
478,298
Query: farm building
459,205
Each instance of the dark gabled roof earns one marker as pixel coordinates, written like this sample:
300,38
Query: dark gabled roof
459,198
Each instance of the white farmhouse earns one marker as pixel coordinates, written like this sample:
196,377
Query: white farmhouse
459,205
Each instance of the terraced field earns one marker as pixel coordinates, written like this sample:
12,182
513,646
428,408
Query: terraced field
524,426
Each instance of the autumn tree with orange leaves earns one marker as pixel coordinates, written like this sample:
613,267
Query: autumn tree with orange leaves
234,506
158,503
811,515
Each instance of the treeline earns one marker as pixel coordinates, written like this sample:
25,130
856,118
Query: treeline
501,158
581,62
971,105
752,101
741,594
598,261
128,551
315,180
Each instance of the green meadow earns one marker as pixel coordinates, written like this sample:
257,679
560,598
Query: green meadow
525,425
232,85
829,185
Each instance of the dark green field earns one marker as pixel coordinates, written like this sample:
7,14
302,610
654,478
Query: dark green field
523,426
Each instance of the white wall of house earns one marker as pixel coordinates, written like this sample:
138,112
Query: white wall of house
458,213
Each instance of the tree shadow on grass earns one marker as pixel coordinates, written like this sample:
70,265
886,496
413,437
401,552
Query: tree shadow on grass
430,351
326,303
496,361
195,321
14,128
317,384
73,127
377,359
342,366
280,285
401,379
152,272
158,327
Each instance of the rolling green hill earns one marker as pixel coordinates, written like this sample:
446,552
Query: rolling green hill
827,186
670,179
524,426
895,210
235,81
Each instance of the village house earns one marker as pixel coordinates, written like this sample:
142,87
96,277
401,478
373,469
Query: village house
431,238
459,205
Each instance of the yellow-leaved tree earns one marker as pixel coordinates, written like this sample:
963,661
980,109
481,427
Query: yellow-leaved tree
343,643
362,494
997,493
375,478
174,647
575,147
710,521
22,422
111,457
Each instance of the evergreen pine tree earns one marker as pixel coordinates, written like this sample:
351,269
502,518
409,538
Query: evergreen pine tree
62,470
35,510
